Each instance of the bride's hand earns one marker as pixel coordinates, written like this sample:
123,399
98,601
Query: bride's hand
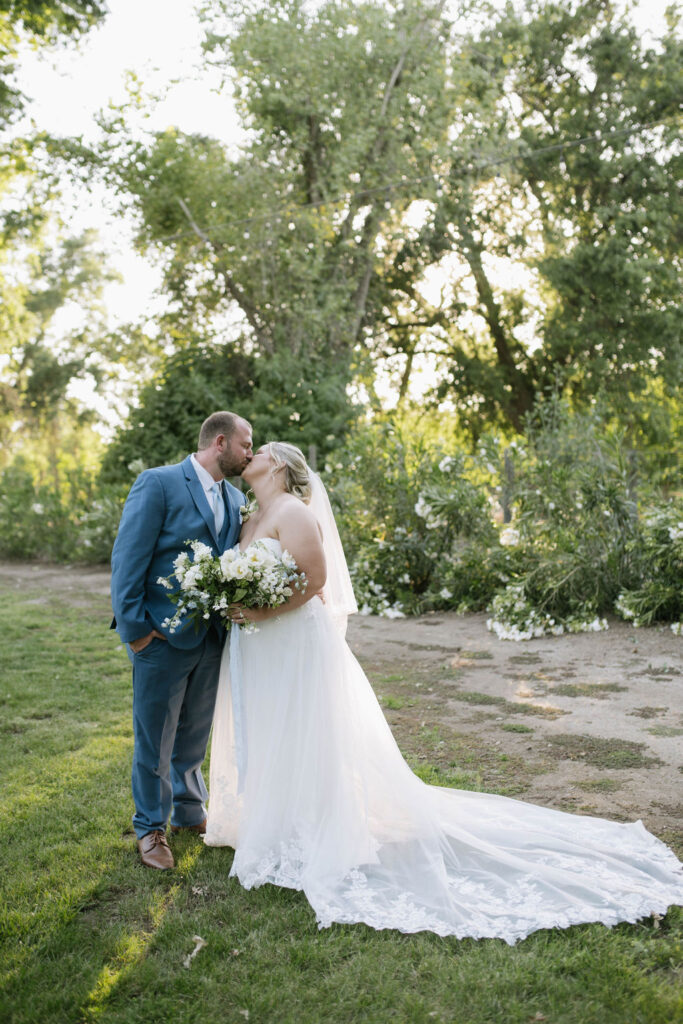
241,615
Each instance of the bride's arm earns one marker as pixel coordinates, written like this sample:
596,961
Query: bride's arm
298,533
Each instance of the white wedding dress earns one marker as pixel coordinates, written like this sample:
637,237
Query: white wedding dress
308,786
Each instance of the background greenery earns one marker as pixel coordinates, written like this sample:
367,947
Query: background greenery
591,532
492,195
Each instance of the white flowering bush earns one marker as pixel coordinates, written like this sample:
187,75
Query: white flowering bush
515,618
33,523
575,527
658,595
95,526
422,521
417,528
423,528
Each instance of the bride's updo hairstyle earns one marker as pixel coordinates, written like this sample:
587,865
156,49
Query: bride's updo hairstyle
297,476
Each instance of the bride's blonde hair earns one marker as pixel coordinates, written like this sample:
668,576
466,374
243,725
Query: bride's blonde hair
297,476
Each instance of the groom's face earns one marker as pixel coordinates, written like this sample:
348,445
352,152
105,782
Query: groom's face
235,451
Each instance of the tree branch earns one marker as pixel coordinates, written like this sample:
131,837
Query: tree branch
521,397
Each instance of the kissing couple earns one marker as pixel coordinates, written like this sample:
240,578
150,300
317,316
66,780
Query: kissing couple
307,784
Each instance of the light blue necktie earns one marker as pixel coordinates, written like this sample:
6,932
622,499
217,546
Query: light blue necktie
218,507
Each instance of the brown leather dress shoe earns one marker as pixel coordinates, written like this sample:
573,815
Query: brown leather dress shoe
155,852
200,828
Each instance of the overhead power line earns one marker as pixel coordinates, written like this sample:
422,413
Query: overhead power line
470,169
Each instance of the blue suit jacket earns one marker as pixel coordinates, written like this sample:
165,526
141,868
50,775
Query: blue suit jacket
166,507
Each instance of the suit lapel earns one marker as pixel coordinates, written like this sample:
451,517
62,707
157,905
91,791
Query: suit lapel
199,498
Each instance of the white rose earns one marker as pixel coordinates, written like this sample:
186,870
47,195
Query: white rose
288,560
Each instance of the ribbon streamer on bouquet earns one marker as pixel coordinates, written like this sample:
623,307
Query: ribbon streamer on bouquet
238,706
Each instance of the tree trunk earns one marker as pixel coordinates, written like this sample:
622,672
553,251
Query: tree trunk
519,400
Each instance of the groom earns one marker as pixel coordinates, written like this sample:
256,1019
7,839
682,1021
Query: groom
175,676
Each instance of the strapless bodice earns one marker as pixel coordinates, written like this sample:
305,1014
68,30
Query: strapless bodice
271,542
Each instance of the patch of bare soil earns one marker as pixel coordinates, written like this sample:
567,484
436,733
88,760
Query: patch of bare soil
591,723
76,583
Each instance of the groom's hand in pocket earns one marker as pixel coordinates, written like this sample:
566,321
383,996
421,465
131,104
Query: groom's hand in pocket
144,641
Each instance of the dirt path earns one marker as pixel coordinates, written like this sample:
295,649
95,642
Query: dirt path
591,723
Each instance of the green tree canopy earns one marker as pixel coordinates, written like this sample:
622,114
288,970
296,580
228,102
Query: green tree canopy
201,378
389,152
339,102
577,183
41,362
46,19
40,22
41,270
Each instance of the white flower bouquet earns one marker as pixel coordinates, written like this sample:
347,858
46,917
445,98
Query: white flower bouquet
208,583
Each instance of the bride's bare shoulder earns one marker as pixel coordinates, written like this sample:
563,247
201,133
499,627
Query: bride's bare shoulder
293,514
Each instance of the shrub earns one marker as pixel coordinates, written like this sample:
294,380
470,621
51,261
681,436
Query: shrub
33,521
39,521
577,525
417,514
658,597
414,525
417,524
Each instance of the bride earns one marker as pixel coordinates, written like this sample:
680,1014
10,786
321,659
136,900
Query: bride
308,786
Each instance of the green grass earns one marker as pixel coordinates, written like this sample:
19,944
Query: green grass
600,785
393,703
88,935
600,752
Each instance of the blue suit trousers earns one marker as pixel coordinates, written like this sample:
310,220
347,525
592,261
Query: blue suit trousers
174,695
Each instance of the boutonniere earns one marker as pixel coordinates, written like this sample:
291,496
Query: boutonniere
250,506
